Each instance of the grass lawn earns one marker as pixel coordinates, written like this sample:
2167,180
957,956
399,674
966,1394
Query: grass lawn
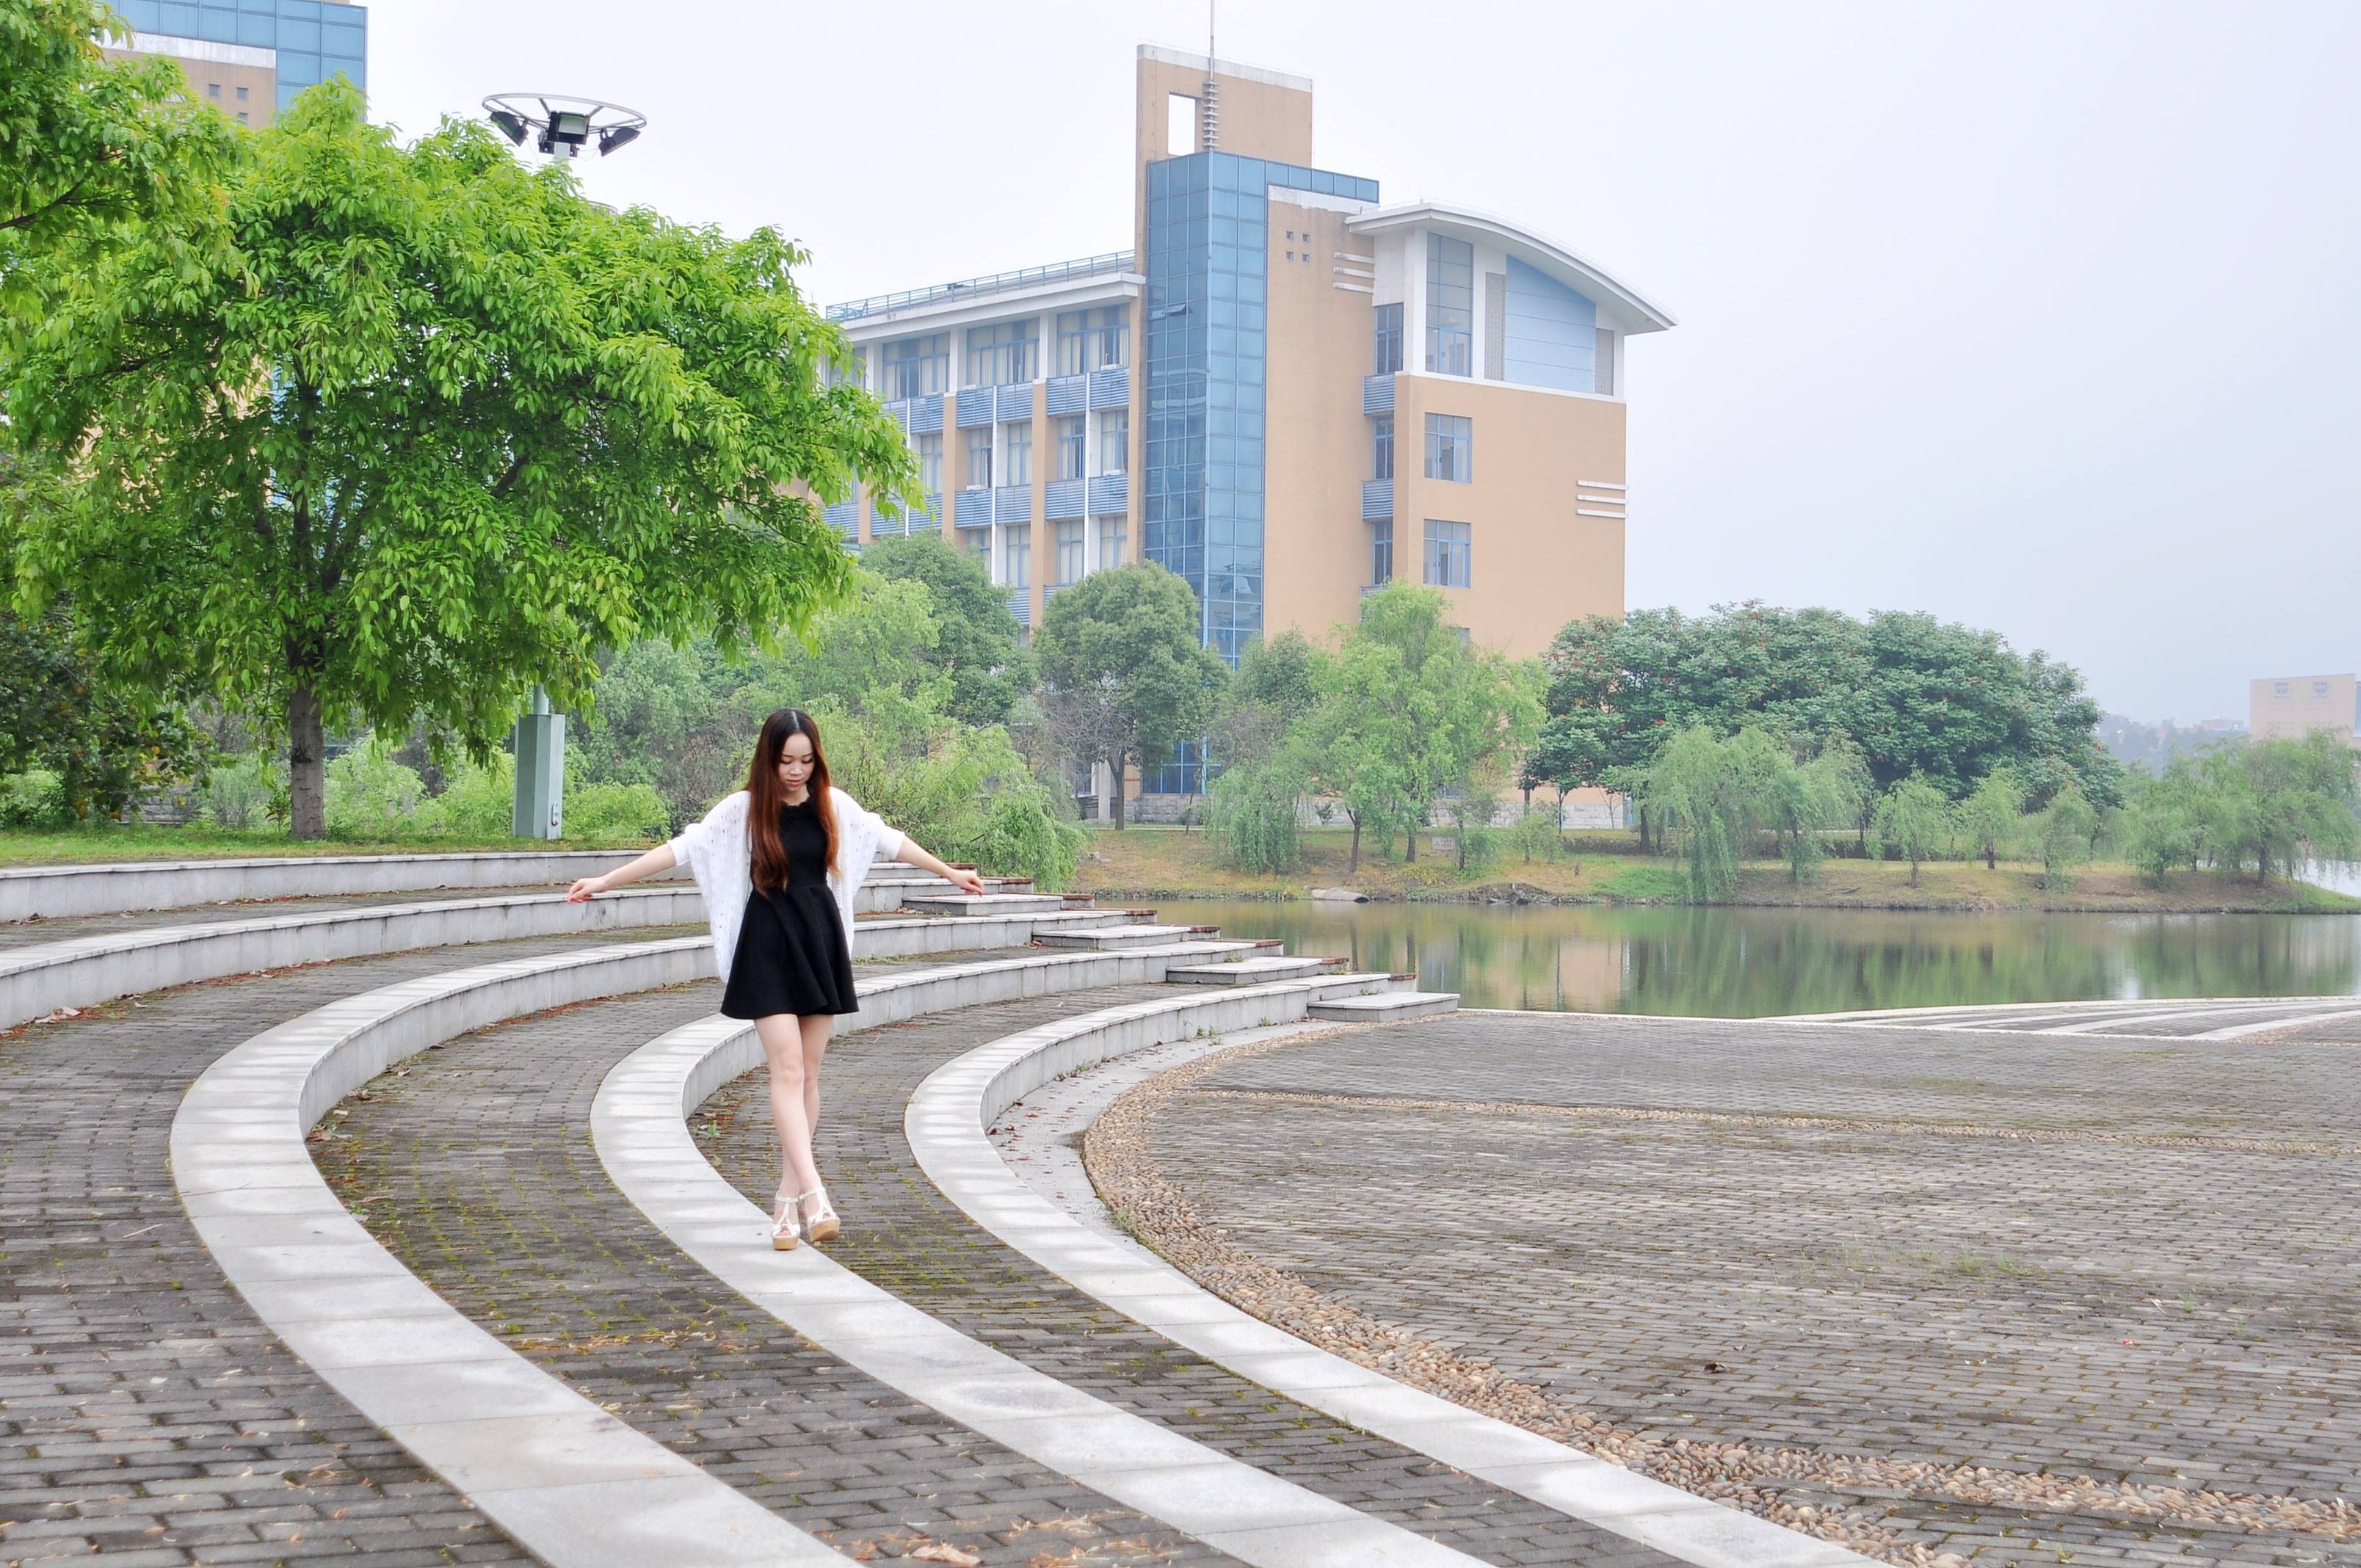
141,841
1166,863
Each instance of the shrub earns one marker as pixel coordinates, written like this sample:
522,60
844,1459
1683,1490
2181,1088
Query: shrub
481,802
1535,835
34,798
614,811
249,793
370,795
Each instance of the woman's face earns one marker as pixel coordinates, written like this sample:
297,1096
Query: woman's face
795,762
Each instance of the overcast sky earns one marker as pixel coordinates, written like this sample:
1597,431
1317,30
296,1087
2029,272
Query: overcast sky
2041,317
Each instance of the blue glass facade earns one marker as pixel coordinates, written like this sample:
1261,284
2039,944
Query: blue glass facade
1207,245
315,40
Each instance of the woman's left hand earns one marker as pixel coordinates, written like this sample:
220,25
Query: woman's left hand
969,883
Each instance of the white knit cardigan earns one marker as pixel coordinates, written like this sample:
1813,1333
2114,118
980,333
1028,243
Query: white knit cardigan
720,856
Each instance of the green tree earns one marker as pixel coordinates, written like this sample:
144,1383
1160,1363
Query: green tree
1358,739
1692,790
1274,688
1919,695
1466,707
1253,816
2062,833
89,147
395,433
2164,821
59,714
1801,801
975,641
1914,817
2284,803
1993,815
1123,674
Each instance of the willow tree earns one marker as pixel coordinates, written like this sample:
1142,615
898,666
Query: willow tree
393,432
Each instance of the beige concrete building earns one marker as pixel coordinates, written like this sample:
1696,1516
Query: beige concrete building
249,58
2291,706
1285,391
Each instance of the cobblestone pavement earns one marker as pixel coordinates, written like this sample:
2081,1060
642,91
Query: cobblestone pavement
907,1237
2059,1257
144,1413
475,1168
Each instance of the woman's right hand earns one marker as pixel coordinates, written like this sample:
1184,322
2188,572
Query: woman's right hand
588,887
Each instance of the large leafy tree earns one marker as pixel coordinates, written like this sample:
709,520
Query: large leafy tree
89,146
1919,696
397,432
975,644
1123,675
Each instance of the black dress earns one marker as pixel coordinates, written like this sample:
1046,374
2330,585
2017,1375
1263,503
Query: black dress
792,956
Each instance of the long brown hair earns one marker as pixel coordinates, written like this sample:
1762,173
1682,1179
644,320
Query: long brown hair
768,795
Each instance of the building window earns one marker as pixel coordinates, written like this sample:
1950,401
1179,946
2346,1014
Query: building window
1069,552
1016,459
213,90
1000,355
241,116
1450,447
1447,551
917,366
1390,318
2320,688
1095,339
977,542
1381,551
979,457
1017,555
1115,441
241,94
1112,541
1381,446
1072,445
2279,689
929,444
1450,306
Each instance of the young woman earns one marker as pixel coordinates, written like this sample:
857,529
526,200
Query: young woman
779,863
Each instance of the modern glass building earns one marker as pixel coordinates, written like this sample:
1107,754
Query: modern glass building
252,57
1330,392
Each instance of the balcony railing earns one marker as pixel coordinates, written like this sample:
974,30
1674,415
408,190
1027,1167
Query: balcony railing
972,508
998,282
1110,494
1020,605
1378,394
1376,498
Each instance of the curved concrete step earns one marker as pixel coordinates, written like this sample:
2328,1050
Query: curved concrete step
1104,938
1255,970
1392,1008
28,890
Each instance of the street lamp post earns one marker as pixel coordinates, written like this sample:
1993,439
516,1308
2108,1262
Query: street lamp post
561,125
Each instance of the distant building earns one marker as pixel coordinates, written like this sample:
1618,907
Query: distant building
1283,390
2291,706
1329,393
250,58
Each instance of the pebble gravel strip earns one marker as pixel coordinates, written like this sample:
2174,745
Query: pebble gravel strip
1907,1511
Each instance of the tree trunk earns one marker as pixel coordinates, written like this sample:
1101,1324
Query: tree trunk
307,771
1114,766
1410,839
1353,868
1914,871
1643,830
1991,857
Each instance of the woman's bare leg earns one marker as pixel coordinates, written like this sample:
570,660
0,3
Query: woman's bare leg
782,1048
816,1030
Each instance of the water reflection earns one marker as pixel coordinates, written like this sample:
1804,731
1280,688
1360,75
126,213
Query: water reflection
1752,962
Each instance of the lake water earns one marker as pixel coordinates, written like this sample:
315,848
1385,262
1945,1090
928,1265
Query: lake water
1754,962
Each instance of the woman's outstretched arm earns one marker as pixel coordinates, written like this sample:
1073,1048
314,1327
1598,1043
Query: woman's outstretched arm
912,854
659,859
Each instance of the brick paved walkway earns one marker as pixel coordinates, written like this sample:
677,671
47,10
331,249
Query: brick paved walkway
2062,1258
144,1412
475,1169
904,1236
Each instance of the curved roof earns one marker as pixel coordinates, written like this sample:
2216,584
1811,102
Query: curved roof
1628,311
